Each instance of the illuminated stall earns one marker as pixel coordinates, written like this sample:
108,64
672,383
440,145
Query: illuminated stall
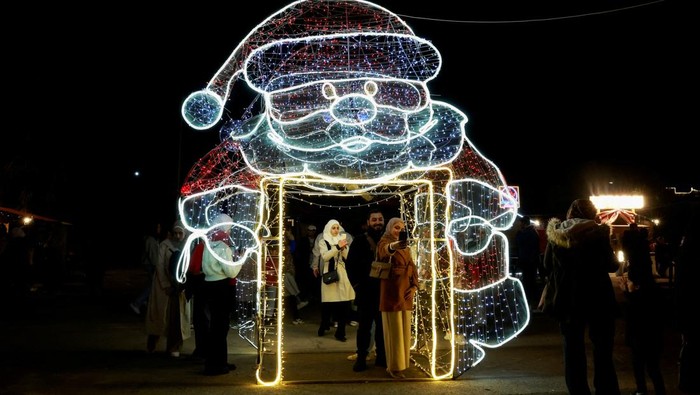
618,211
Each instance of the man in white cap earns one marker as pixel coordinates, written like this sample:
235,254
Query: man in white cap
219,294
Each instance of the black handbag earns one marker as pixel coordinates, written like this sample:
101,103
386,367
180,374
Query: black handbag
331,276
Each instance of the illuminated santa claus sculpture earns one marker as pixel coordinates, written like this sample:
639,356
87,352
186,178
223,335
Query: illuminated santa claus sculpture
345,109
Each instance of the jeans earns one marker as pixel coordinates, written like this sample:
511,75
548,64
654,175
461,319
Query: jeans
601,332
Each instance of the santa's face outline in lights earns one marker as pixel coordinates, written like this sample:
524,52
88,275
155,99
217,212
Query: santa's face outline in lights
350,105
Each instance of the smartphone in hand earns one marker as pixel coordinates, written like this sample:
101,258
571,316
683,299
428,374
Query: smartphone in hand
403,235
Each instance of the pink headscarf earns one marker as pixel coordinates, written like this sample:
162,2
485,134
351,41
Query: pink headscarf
390,226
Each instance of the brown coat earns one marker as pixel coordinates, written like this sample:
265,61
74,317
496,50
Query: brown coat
395,293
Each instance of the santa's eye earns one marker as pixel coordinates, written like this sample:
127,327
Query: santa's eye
295,104
401,95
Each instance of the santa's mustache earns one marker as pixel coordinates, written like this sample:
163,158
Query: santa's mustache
322,130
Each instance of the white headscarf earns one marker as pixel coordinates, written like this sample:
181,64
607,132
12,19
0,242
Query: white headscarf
332,240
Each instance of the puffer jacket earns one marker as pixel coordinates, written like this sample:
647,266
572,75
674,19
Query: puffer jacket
577,261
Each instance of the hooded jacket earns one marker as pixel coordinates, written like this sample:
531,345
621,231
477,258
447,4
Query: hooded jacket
578,260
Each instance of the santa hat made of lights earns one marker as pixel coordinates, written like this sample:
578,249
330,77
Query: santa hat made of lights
314,40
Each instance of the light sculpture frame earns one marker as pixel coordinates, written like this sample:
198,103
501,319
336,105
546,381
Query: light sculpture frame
346,111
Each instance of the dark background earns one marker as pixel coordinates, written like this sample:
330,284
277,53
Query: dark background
567,98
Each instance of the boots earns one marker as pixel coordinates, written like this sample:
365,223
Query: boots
360,363
380,361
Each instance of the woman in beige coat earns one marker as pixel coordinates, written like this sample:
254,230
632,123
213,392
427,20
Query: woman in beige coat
396,298
335,297
168,312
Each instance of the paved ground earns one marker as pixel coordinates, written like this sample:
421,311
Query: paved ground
77,343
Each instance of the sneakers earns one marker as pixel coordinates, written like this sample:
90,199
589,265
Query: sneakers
360,365
381,362
136,309
297,321
353,357
302,304
354,323
175,354
335,324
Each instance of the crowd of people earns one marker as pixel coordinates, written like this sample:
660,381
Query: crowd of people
575,268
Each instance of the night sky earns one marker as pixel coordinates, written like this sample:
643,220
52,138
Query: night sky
564,99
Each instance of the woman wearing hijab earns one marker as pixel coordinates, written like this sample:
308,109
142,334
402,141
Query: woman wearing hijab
396,298
168,312
335,297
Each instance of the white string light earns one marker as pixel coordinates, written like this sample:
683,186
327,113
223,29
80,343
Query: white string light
346,112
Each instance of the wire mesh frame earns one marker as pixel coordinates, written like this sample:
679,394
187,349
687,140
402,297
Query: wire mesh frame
432,354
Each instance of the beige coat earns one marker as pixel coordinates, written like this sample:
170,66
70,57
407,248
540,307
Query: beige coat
339,291
159,299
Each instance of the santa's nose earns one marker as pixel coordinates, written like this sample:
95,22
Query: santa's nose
354,109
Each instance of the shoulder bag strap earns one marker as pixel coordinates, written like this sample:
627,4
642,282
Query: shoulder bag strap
372,244
331,262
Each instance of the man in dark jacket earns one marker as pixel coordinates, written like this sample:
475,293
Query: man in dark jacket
578,260
685,301
359,263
